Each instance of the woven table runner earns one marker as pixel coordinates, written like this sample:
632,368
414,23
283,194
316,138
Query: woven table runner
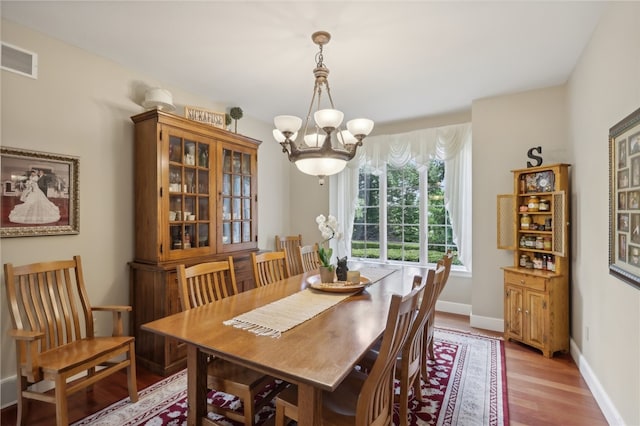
284,314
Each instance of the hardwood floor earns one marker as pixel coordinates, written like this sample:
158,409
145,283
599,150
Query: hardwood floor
540,390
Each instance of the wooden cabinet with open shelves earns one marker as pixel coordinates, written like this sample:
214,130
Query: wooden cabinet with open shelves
536,286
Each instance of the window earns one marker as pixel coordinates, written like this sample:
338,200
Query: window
412,224
391,198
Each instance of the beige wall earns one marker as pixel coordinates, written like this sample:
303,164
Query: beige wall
504,128
80,105
604,88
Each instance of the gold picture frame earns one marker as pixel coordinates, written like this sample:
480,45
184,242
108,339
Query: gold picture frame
624,199
201,115
39,193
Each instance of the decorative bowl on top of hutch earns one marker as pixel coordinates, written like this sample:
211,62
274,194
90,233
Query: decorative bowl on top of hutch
534,223
195,201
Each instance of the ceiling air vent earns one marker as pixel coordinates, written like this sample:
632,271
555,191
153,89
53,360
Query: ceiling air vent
19,61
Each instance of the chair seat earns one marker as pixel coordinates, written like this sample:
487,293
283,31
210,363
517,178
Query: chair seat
338,407
81,352
227,373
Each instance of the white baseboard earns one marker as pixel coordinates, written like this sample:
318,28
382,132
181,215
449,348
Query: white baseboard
453,308
602,398
476,321
487,323
8,391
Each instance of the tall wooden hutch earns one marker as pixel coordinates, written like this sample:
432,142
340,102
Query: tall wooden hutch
534,223
195,201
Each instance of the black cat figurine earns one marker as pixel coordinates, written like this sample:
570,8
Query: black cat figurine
341,269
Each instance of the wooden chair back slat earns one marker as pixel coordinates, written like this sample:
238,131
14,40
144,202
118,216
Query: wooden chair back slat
308,257
291,244
270,267
206,282
375,403
410,365
446,262
50,297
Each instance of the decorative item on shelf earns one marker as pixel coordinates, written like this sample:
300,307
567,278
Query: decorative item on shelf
328,227
236,113
315,154
525,221
533,204
201,115
544,205
227,121
158,98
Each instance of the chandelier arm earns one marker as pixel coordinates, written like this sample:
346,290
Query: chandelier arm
316,88
326,84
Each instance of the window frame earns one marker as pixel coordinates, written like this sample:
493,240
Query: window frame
423,222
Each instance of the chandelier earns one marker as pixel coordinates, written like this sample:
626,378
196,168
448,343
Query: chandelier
317,154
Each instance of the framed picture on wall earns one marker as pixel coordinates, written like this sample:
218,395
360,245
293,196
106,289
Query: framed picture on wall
624,199
39,193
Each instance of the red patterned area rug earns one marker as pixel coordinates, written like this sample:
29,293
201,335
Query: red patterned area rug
467,386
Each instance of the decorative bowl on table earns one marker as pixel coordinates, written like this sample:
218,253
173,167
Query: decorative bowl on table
315,282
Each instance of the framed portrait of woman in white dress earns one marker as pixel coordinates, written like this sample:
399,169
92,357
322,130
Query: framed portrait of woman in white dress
39,193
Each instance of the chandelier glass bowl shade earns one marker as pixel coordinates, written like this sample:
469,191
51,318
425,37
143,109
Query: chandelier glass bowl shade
317,153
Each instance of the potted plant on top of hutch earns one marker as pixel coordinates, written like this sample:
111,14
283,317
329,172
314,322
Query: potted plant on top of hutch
534,223
195,201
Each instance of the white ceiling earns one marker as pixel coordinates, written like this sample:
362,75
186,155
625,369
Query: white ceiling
389,60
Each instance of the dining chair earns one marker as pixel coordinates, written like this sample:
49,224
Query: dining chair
55,340
291,244
446,261
363,399
270,267
206,283
308,257
409,362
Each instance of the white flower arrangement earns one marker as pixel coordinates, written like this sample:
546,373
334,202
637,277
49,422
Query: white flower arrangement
328,227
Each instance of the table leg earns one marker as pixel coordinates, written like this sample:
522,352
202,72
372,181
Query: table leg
309,405
196,385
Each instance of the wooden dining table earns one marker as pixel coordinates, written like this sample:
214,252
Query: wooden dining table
316,355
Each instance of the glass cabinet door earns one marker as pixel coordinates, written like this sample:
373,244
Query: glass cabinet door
189,216
237,204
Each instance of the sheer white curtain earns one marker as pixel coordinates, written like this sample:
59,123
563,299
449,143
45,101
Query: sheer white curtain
451,144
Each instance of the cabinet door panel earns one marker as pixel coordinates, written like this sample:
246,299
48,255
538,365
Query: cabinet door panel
536,317
506,221
237,199
513,312
560,231
189,201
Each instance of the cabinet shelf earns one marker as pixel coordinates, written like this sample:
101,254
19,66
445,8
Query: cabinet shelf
534,250
533,231
535,213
